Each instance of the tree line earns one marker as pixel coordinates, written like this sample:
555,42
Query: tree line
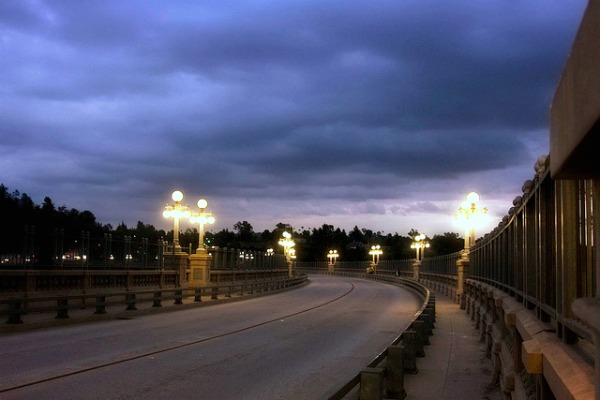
34,228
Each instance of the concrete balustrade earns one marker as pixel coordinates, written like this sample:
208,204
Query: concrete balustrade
15,308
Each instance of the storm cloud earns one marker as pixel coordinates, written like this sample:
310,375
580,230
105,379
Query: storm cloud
381,114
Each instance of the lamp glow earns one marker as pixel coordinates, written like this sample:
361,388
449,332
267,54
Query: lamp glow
176,211
202,218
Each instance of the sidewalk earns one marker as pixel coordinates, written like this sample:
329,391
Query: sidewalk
455,366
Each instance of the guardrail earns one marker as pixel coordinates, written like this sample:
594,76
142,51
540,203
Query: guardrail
35,283
15,308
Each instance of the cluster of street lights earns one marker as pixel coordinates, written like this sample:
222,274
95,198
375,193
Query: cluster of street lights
179,211
468,213
332,255
419,244
288,244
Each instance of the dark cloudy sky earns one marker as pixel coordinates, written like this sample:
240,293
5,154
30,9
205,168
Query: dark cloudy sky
381,114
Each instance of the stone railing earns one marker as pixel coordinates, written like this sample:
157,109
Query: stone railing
15,308
31,283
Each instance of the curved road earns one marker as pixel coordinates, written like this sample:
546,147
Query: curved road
303,342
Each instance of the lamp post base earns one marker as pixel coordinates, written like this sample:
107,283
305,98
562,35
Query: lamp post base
462,267
416,270
199,268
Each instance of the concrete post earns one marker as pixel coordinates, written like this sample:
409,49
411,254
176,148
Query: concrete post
416,270
409,341
462,266
418,327
371,383
200,268
394,376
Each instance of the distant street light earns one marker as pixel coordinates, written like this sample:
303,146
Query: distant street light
332,255
176,211
287,243
375,252
269,255
419,244
202,218
469,215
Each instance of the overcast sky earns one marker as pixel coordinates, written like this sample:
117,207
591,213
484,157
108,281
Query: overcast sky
380,114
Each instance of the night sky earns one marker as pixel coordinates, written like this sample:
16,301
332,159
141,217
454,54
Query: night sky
380,114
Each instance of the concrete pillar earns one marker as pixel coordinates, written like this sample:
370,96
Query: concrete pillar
419,328
394,376
462,266
416,270
409,341
330,268
199,268
371,383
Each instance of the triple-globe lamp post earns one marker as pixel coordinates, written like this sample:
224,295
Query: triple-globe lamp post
288,243
202,218
419,244
468,215
176,211
376,252
332,255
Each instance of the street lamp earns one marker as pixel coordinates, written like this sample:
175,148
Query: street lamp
202,218
468,215
269,255
332,255
176,211
419,245
375,252
287,243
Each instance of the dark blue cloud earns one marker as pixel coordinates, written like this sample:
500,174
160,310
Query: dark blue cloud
340,112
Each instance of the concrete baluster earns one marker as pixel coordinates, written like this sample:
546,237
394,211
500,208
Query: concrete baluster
14,312
100,305
157,299
394,375
409,339
62,308
419,328
130,302
371,383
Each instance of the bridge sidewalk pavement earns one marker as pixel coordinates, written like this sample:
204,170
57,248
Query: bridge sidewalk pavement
455,365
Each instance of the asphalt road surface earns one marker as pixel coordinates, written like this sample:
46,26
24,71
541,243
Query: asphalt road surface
299,344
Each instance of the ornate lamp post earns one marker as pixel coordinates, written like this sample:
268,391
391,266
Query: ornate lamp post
176,211
269,255
200,261
375,252
177,260
287,243
202,218
468,215
419,244
332,255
